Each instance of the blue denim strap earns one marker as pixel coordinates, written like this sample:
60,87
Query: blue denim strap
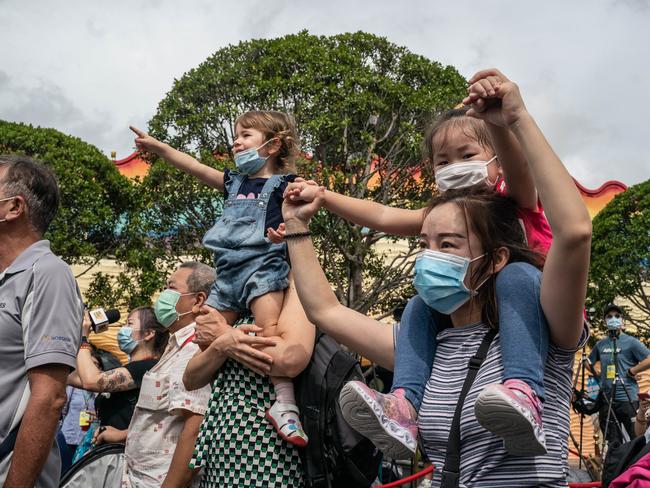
269,187
236,181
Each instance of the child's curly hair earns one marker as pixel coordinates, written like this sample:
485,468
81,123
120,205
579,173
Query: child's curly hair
275,124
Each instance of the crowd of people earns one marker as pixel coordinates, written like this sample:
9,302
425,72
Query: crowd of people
482,357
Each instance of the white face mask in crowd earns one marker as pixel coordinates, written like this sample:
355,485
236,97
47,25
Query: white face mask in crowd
463,175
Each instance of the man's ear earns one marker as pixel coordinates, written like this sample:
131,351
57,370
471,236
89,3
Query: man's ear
16,208
199,301
500,259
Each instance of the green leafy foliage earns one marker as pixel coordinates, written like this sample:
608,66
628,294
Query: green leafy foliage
620,256
361,104
94,196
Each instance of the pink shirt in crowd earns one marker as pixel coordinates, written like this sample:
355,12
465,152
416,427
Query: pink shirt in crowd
538,231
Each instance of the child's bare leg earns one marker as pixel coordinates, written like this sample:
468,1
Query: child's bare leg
283,414
230,316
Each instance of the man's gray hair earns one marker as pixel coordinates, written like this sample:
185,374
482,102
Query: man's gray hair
36,183
201,278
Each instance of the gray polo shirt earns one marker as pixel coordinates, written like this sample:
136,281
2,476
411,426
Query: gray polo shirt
40,323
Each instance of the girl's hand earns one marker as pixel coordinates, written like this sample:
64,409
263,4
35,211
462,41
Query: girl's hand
494,98
108,435
241,346
276,236
146,143
301,201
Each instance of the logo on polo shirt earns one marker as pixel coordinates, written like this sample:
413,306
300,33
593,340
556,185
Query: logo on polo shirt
3,304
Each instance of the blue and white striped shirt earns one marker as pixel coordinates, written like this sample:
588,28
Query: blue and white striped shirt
484,461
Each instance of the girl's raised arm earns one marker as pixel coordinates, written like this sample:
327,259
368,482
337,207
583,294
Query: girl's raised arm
186,163
360,333
366,213
564,281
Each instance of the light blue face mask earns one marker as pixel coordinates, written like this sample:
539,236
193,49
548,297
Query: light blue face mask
614,323
440,280
125,340
249,161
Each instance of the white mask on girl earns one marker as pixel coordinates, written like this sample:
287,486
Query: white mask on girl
463,175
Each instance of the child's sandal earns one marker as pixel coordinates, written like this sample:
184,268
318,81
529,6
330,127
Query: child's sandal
285,420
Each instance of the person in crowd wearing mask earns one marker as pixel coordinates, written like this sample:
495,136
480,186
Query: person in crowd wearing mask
144,340
462,152
40,313
468,238
632,357
252,271
161,436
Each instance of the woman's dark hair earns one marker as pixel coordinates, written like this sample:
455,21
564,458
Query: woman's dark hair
493,219
149,322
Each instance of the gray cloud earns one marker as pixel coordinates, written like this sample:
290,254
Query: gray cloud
91,69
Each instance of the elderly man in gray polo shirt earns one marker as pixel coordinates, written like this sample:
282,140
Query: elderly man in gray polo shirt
40,318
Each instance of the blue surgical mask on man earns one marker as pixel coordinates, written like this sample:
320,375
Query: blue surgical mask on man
249,161
440,280
614,323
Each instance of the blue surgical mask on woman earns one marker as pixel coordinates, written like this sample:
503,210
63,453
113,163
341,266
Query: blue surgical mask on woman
249,161
440,280
125,340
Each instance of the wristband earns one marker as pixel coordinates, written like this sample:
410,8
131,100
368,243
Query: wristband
84,340
297,235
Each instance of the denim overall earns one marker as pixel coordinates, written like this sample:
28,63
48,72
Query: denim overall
248,265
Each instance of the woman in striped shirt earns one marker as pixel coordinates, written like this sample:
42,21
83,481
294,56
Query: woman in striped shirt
467,238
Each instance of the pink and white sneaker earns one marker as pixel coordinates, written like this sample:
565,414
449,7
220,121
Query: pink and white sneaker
513,412
386,419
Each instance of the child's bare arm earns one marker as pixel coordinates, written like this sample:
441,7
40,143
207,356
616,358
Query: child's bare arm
186,163
516,173
366,213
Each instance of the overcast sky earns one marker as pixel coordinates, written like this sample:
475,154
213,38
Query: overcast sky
90,68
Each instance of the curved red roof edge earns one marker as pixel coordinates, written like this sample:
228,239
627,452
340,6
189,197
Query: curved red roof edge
612,184
128,159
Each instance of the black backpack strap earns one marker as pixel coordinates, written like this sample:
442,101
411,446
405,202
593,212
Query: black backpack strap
9,442
313,415
451,470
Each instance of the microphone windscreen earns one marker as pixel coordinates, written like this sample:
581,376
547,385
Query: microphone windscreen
113,315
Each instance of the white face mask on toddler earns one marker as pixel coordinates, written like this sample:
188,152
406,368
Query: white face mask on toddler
463,175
